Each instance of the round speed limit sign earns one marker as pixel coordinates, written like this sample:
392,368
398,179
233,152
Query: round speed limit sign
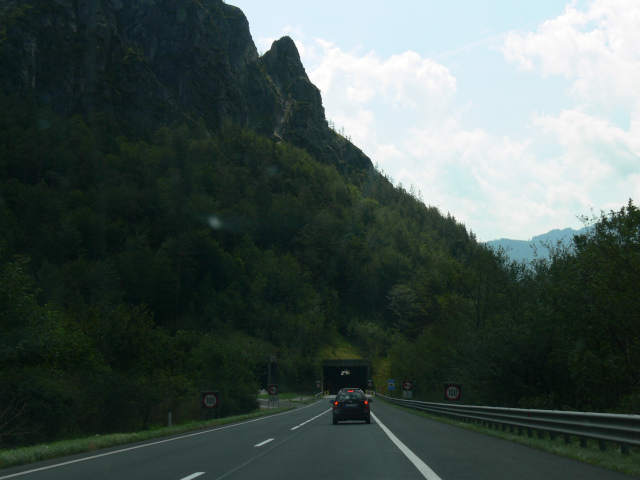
452,392
209,400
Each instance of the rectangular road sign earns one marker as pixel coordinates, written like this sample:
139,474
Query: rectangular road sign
391,384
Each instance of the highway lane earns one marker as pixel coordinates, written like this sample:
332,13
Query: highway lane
304,443
220,449
456,453
351,450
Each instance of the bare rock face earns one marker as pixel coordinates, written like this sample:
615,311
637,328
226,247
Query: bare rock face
158,61
304,123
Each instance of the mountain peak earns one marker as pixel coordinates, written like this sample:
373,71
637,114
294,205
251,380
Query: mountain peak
285,69
285,47
153,63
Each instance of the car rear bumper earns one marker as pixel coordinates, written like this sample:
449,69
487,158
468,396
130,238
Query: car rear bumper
341,416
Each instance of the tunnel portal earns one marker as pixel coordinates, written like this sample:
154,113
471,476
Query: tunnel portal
337,374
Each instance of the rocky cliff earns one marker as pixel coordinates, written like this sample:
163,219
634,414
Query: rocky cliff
158,61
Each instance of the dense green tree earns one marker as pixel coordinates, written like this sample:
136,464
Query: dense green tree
607,266
165,262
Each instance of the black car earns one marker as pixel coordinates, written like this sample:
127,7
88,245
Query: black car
351,404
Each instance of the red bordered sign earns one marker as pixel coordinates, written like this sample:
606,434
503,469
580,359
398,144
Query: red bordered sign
272,389
452,391
407,385
209,399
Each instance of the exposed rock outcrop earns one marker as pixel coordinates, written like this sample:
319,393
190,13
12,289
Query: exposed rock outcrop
156,61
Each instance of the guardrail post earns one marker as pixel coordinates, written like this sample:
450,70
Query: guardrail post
530,432
540,433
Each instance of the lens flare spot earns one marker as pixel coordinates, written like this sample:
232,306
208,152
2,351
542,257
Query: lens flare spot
215,222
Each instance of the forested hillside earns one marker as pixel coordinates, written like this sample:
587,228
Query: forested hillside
152,266
558,333
144,261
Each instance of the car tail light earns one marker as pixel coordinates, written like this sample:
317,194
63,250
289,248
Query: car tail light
366,405
335,405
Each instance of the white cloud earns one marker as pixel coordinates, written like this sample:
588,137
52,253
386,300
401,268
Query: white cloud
596,48
402,112
594,148
406,81
491,184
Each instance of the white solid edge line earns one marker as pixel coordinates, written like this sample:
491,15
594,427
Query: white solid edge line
194,475
422,467
202,432
264,443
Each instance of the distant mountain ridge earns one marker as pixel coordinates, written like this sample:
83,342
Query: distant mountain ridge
526,249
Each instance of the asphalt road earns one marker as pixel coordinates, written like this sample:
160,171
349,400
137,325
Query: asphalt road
304,444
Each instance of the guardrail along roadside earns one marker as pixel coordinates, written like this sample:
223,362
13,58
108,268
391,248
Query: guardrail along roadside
604,427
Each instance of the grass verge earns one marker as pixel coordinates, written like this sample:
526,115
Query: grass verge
25,455
307,400
611,458
292,398
282,396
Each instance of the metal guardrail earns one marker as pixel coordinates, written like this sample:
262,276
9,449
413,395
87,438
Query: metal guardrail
604,427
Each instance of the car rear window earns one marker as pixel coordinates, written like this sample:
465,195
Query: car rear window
350,396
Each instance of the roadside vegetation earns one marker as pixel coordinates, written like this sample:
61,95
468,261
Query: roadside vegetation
286,396
139,268
559,333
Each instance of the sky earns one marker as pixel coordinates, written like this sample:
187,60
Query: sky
516,117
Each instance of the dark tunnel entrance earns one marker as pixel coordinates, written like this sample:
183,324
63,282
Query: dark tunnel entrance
337,374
